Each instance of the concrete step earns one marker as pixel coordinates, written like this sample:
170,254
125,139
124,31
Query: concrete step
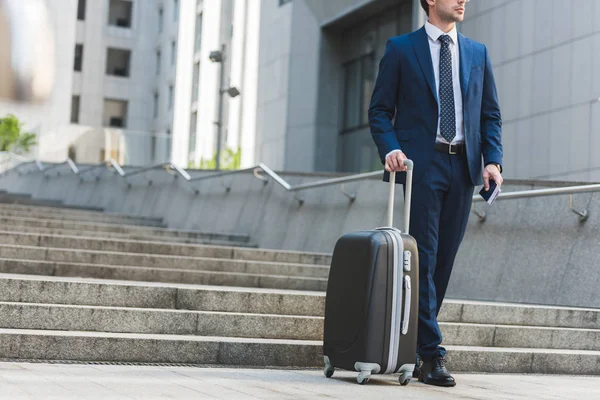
27,200
71,212
132,347
129,229
135,347
162,261
503,360
479,312
520,336
75,291
157,247
49,215
157,321
169,275
209,323
95,292
10,229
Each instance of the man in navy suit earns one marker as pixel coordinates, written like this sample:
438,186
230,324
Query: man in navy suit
440,86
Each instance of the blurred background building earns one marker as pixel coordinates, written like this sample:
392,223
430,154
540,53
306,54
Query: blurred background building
135,81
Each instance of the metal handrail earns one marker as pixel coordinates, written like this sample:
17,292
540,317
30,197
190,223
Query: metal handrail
182,172
73,166
117,167
570,190
543,192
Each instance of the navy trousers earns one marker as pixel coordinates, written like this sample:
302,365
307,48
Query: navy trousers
441,203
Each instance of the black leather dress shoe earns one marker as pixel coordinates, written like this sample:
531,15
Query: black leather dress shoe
434,372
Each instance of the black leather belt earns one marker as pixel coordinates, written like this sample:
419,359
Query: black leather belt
458,148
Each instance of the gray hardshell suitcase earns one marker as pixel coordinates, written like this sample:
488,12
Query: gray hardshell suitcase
371,306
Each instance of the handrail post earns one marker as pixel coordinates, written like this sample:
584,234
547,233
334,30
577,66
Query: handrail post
583,215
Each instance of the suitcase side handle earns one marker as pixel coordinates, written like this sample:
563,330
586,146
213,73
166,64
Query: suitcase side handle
407,197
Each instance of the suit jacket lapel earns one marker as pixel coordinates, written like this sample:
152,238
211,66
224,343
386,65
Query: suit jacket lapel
420,44
466,53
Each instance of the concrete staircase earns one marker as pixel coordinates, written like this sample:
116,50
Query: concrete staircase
90,286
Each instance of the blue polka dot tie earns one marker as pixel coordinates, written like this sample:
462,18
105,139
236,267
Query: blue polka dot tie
446,92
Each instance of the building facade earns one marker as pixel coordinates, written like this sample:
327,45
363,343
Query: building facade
319,60
288,82
114,86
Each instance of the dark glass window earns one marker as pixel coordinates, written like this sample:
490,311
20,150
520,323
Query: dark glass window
78,57
359,79
81,10
75,109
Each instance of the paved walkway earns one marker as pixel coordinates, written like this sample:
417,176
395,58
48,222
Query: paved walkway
65,382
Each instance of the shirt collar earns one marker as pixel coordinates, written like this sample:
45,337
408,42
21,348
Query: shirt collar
434,32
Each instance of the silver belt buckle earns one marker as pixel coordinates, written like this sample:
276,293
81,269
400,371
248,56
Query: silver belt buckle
450,149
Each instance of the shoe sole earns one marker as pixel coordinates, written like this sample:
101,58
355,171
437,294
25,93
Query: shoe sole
448,384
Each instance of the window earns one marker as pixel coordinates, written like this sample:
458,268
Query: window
117,62
161,13
359,78
81,10
75,109
153,148
72,153
78,57
115,113
156,98
171,97
198,34
175,9
192,137
173,52
196,82
158,61
119,13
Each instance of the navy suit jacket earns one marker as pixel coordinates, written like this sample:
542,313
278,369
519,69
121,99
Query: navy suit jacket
405,86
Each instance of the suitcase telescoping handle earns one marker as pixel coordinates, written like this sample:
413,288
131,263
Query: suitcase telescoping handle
407,196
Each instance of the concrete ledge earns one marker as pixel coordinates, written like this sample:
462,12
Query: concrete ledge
156,321
520,336
61,290
171,275
81,346
73,212
519,314
6,213
80,291
209,323
121,236
25,199
129,229
162,261
159,247
522,361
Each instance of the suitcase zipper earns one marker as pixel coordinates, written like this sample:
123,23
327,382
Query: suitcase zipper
407,296
395,327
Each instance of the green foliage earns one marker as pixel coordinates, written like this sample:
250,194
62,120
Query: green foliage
230,160
12,138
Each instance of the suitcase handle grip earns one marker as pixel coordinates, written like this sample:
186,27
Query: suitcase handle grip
407,197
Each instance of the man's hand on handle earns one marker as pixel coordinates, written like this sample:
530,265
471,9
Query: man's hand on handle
395,161
491,171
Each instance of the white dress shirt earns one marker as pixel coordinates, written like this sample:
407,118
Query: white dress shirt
433,33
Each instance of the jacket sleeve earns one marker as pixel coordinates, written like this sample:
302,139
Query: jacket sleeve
491,120
383,102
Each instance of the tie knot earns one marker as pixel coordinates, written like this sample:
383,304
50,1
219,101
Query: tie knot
445,39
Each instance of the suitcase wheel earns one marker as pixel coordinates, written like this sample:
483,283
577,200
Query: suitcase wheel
363,377
404,379
329,369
